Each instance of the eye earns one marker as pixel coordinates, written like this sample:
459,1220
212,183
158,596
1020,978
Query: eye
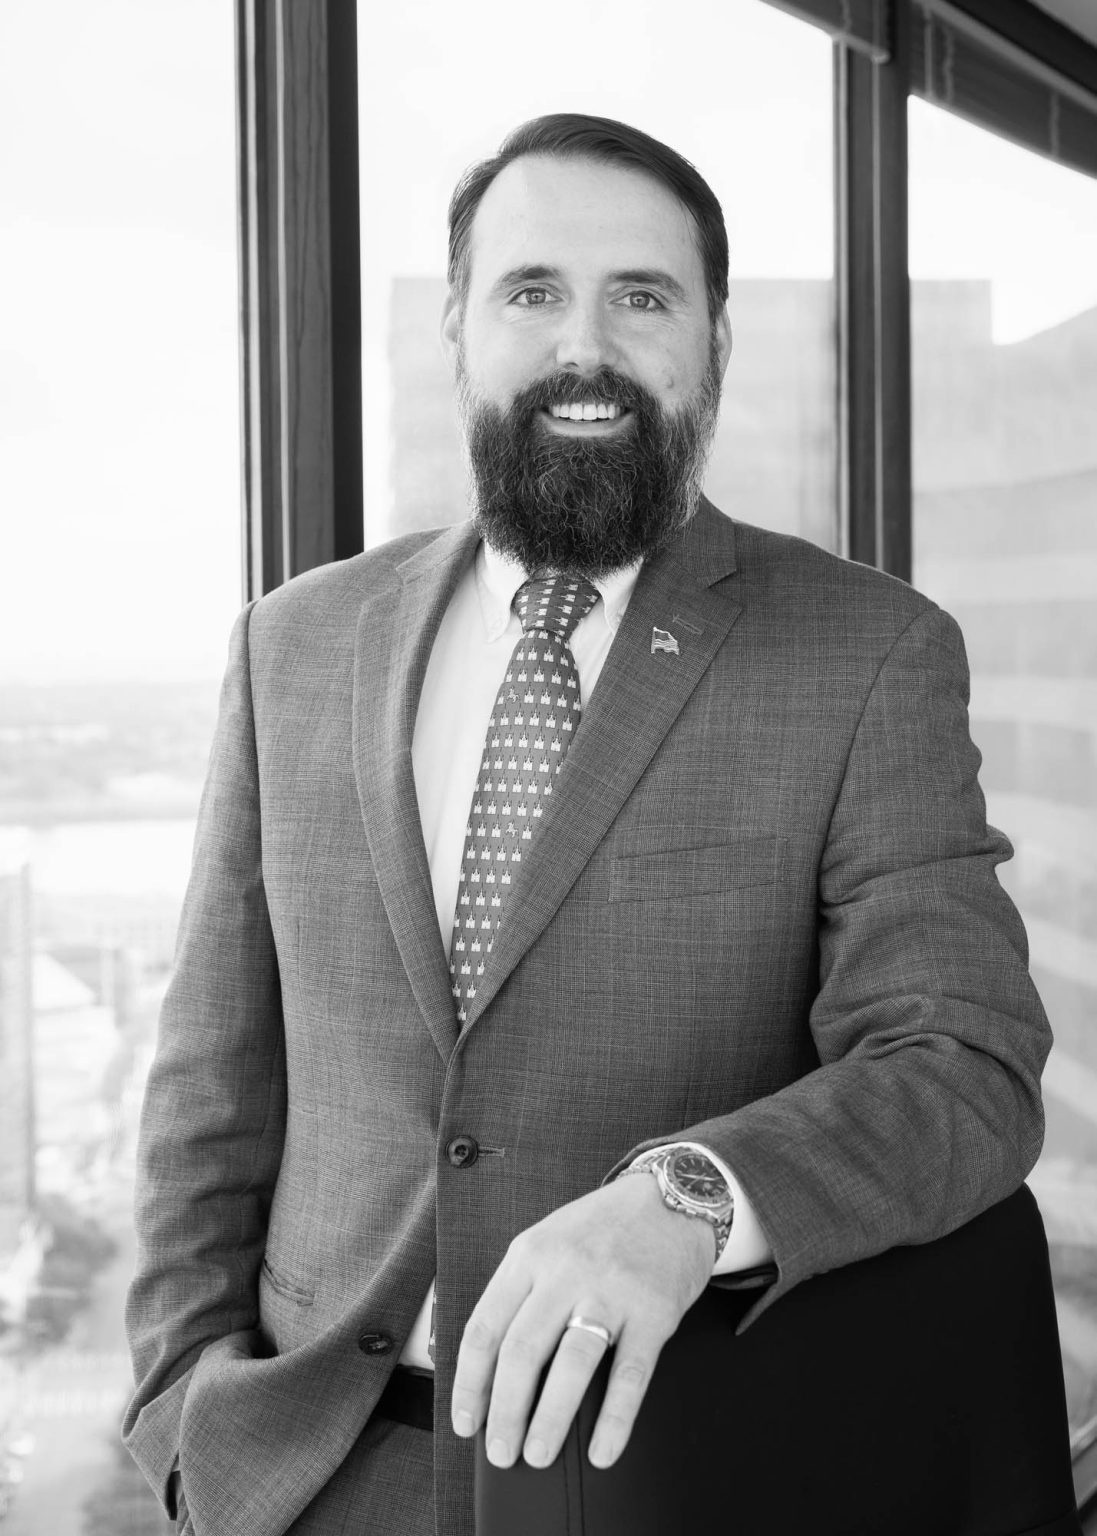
531,298
640,299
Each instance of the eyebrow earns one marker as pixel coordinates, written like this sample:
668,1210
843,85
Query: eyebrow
646,277
524,275
652,277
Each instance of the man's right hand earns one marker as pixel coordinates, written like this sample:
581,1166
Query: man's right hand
617,1256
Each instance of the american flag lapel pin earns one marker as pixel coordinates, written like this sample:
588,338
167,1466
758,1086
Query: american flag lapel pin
663,640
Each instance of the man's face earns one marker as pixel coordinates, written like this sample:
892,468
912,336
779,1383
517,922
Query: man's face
588,366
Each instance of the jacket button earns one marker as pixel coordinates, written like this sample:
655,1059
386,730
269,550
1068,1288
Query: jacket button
463,1151
375,1343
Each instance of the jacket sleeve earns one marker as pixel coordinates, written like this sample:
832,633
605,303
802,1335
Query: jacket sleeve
213,1122
925,1108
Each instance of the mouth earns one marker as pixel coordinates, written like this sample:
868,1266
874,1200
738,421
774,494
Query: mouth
586,418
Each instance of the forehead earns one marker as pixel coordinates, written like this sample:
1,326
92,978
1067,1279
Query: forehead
582,217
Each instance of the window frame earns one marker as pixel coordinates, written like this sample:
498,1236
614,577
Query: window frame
300,286
874,378
300,289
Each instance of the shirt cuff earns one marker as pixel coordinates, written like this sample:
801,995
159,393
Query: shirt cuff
747,1245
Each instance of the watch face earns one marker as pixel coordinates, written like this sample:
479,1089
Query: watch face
698,1178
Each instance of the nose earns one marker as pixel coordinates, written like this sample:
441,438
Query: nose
585,342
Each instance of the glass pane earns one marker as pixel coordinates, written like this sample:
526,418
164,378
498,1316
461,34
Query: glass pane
744,92
1004,262
119,579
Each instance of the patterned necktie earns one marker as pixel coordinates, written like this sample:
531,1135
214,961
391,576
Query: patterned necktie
531,728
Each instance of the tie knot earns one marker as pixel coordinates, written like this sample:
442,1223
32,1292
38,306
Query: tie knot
554,603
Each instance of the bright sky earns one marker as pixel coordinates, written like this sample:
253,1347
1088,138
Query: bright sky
119,447
982,207
119,456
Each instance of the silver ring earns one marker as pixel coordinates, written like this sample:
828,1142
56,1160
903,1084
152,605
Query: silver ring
599,1332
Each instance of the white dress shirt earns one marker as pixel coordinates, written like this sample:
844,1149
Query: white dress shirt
475,639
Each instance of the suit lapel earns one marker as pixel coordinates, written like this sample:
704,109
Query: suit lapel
396,630
639,695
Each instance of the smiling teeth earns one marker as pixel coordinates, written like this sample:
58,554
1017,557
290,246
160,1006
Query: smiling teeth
588,411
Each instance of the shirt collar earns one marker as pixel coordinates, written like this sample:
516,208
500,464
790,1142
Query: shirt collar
498,578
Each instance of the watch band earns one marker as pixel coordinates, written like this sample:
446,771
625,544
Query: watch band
718,1211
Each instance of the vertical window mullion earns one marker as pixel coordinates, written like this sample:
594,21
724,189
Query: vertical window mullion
300,288
874,301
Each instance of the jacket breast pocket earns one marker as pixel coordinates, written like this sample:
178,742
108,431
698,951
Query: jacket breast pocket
677,873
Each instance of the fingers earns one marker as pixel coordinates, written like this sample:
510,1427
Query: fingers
577,1357
632,1371
530,1341
501,1363
574,1355
481,1342
570,1375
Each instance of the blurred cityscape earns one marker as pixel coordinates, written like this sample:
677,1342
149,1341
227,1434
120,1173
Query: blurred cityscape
99,786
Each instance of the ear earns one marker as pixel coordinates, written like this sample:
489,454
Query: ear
450,333
723,339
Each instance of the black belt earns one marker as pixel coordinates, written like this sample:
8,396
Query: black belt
408,1398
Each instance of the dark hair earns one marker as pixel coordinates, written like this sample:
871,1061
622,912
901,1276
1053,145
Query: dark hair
575,135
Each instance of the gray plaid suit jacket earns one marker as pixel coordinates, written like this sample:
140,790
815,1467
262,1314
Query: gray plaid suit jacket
762,912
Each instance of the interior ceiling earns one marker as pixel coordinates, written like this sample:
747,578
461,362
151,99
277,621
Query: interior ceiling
1081,15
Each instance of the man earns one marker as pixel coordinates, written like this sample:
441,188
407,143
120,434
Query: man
725,887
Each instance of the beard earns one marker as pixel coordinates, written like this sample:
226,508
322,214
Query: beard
592,506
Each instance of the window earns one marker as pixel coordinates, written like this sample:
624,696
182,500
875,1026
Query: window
744,92
1004,269
119,580
119,576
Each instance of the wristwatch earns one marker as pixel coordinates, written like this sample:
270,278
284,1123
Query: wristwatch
691,1183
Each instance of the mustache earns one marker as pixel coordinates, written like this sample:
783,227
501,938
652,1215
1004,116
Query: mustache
606,387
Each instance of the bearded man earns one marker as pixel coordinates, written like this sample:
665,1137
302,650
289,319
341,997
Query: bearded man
723,917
